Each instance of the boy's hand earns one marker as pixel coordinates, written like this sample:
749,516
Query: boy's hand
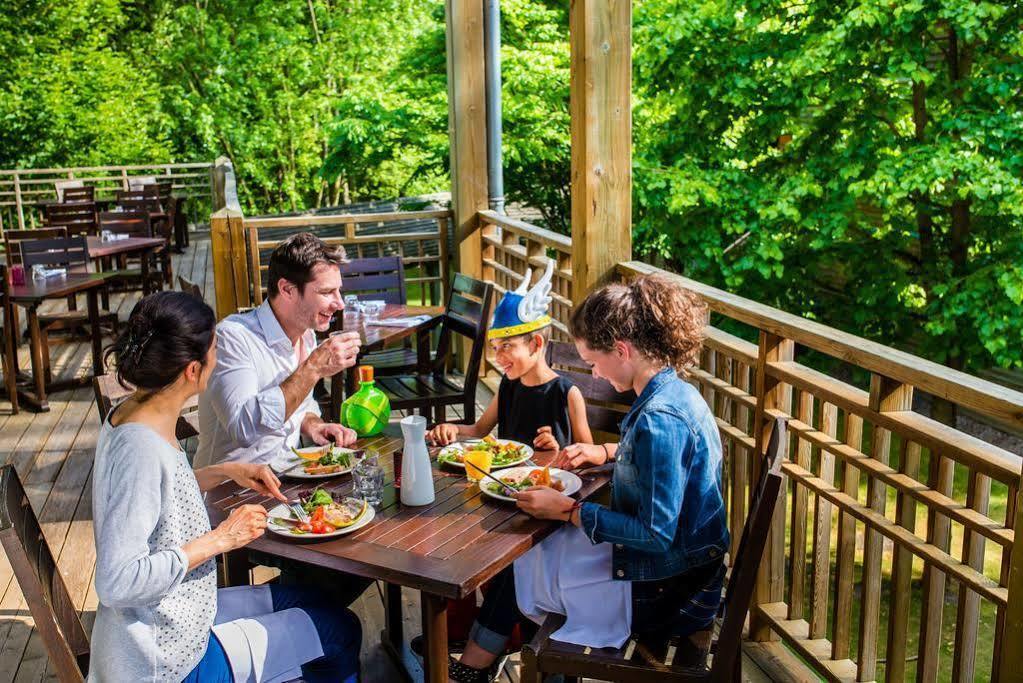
443,434
545,440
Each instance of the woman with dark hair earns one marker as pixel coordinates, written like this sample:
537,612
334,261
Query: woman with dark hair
652,563
160,615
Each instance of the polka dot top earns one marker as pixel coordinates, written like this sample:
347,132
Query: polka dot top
154,617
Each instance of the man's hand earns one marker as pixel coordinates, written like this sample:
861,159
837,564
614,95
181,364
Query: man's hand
339,352
323,432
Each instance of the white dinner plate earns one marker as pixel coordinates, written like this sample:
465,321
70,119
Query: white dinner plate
443,456
299,473
285,529
571,481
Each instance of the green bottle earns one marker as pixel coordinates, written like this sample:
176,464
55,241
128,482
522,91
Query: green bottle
368,410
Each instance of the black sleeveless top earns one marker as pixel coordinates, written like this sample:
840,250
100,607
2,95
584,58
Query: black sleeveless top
522,410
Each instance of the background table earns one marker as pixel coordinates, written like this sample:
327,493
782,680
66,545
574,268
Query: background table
33,293
102,252
376,337
444,550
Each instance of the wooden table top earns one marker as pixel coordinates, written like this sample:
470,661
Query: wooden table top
98,248
377,336
447,548
56,287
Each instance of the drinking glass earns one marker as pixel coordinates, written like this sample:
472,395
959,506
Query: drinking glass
479,457
352,303
373,309
369,478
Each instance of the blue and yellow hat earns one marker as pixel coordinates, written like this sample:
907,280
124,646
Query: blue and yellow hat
525,309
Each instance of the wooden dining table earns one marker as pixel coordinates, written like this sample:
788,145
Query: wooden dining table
376,336
102,254
445,549
33,293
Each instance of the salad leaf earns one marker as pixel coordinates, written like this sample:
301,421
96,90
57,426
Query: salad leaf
319,497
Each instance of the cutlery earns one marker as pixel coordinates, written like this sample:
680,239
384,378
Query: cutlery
296,509
509,490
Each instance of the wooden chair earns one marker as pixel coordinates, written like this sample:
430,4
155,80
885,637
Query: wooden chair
138,182
109,393
62,185
78,217
9,337
71,253
467,315
53,611
543,656
136,223
190,287
86,193
605,407
14,238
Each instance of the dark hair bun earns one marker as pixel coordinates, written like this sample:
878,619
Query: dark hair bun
165,332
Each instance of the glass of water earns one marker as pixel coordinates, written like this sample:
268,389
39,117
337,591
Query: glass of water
352,303
369,478
373,309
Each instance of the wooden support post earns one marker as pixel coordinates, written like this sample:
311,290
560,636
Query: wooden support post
230,265
467,130
1011,641
771,395
600,105
17,202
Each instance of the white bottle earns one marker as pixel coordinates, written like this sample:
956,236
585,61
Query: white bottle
416,472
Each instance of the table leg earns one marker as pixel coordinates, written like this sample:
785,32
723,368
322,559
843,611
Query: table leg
34,342
92,298
435,637
423,352
145,272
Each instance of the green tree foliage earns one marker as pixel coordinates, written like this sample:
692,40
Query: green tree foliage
857,162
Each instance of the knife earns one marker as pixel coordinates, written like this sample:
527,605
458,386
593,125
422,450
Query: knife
511,492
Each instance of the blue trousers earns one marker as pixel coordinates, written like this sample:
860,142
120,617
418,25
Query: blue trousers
340,637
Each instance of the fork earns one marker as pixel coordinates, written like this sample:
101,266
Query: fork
296,509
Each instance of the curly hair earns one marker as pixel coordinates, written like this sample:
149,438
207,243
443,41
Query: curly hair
664,321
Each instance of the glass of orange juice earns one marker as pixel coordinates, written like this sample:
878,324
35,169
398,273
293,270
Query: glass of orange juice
481,458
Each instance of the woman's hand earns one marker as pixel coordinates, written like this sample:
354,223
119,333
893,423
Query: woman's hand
259,478
443,434
545,440
245,524
543,502
579,454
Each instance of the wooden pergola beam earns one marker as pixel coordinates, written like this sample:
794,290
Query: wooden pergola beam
601,110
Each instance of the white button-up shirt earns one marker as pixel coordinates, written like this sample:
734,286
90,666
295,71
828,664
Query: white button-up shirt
241,413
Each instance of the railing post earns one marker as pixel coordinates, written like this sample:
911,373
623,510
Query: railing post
228,246
771,395
17,201
600,39
1010,640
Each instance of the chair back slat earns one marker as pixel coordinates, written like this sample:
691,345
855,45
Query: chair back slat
748,556
61,186
78,217
53,611
134,223
138,182
14,238
68,252
468,315
605,406
380,278
86,193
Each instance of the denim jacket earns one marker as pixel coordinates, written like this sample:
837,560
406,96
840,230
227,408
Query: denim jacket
667,513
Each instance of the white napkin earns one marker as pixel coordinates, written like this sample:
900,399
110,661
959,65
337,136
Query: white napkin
409,321
282,461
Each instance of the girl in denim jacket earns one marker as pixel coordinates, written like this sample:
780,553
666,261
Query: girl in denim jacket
665,533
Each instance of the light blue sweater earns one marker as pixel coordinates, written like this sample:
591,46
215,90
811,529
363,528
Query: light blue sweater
154,616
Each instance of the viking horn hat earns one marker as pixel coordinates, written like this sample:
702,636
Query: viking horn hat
524,310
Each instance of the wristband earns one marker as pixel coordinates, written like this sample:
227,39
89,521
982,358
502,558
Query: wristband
607,453
575,506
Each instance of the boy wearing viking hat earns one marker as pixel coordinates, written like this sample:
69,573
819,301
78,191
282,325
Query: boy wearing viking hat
534,404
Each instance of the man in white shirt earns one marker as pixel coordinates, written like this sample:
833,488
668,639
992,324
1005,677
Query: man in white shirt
259,399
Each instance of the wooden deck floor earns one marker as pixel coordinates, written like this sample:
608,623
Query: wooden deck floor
53,454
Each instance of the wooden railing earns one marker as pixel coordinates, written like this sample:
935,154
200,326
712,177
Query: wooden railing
888,513
241,246
21,190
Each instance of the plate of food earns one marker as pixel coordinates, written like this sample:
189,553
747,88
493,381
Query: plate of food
327,517
503,452
320,462
521,478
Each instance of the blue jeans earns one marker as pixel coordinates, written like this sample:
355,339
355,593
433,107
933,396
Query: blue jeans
339,631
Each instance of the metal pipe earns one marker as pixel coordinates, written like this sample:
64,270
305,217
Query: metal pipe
492,61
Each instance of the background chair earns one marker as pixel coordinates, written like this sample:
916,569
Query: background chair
605,407
78,217
86,193
109,392
639,663
53,611
61,185
467,315
14,238
136,223
71,253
